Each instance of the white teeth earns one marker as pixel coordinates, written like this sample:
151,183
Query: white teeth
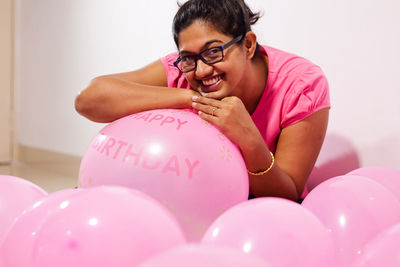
212,81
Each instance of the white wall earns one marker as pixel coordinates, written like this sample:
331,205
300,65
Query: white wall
62,44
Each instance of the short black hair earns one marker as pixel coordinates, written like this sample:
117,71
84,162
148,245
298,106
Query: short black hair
230,17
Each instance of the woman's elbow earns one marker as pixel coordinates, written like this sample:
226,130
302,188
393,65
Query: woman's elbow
86,102
83,104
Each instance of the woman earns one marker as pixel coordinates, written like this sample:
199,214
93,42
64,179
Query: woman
273,105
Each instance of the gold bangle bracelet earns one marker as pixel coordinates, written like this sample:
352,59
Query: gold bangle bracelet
267,170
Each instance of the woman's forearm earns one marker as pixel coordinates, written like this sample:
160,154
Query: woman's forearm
109,98
274,182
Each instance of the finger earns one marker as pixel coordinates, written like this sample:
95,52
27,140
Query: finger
208,109
207,101
213,95
208,117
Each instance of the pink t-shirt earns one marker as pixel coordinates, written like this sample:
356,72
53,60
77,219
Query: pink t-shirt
296,88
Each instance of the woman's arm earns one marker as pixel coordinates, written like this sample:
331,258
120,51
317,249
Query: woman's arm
111,97
297,148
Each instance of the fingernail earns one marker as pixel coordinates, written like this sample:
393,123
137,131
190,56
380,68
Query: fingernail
203,94
195,97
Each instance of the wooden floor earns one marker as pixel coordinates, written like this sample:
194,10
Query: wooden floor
51,173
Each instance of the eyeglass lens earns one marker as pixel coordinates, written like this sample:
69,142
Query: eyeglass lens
209,56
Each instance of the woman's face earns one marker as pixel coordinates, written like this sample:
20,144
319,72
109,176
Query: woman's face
223,77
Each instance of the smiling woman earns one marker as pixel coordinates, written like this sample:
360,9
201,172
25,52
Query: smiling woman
272,104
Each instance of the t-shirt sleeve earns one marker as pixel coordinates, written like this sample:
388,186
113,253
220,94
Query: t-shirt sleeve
175,78
309,93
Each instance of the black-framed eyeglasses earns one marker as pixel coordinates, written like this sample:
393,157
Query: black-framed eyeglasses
208,56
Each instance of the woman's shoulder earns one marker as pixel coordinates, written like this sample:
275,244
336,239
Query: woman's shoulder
296,86
174,77
170,58
285,63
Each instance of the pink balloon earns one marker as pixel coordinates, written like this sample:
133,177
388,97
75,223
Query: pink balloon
354,209
280,231
200,255
16,195
24,231
105,226
388,177
175,157
382,250
338,156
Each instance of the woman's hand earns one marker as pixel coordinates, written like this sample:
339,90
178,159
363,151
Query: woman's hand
231,118
289,174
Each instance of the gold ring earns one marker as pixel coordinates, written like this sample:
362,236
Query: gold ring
213,110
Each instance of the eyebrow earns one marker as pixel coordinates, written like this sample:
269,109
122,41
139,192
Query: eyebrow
204,46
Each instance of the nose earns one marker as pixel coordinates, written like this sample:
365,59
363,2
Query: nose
202,69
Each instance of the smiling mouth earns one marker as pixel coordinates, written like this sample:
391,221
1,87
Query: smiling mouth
211,83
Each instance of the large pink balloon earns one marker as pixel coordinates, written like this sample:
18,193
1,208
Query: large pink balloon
16,195
24,231
200,255
280,231
173,156
354,209
382,250
105,226
388,177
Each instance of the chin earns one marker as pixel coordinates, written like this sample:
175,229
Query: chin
220,95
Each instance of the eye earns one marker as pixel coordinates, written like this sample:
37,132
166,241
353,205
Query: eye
212,51
187,60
